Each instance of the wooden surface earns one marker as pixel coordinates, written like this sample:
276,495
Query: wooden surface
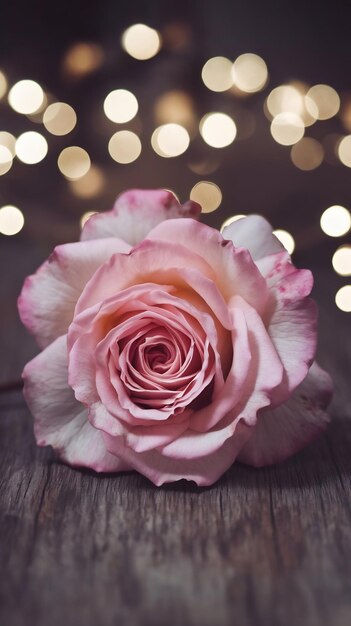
261,547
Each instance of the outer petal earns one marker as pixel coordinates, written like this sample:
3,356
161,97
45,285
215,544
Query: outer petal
281,432
161,469
48,297
59,420
135,213
235,272
255,234
230,271
262,373
291,320
138,438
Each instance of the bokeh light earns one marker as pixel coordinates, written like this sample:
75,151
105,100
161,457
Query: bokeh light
342,260
83,58
11,220
343,299
141,42
3,84
170,140
287,128
249,73
175,107
344,150
217,74
286,239
335,221
31,147
26,97
284,99
307,154
325,98
59,118
207,194
120,106
124,146
218,130
74,162
86,216
291,99
89,185
203,167
6,159
231,220
345,112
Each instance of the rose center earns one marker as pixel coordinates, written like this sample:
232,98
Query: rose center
158,357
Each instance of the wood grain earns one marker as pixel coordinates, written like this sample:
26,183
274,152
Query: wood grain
261,547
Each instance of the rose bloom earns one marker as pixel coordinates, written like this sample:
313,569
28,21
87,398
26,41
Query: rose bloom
171,349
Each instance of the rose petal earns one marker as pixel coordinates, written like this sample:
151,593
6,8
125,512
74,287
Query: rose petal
48,297
255,373
135,213
255,234
235,272
230,393
281,432
161,469
167,263
91,341
291,320
59,420
138,438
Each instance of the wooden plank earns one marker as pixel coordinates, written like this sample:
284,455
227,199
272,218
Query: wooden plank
261,547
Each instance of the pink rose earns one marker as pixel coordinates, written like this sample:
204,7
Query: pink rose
171,349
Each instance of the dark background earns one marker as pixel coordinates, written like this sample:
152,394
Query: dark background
261,547
305,41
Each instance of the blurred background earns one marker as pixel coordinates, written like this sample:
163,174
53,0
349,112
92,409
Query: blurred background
244,106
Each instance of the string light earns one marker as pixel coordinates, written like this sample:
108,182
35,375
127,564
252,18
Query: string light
249,73
74,162
90,184
291,99
26,97
343,299
31,147
342,260
284,99
3,84
86,216
175,107
124,146
287,128
207,195
335,221
59,118
217,74
11,220
307,154
203,167
325,98
230,220
120,106
5,159
170,140
218,130
141,42
345,113
82,59
344,150
286,239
